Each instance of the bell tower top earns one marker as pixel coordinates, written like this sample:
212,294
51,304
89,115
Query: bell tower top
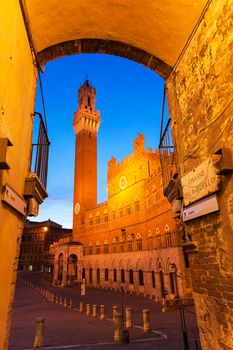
87,96
86,117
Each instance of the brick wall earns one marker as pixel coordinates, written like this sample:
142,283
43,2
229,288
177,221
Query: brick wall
200,94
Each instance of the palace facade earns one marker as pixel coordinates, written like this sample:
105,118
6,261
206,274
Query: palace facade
131,240
35,252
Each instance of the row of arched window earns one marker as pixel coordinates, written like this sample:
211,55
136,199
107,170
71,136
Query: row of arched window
133,278
122,276
127,210
131,243
121,212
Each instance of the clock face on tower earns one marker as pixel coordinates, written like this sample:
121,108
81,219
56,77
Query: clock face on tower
76,208
122,182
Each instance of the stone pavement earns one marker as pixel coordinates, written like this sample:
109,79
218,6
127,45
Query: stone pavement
68,329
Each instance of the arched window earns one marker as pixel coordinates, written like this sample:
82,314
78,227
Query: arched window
114,214
122,247
97,247
172,282
128,209
168,239
168,235
83,273
158,239
90,249
130,246
98,276
131,276
153,279
120,211
106,274
90,220
122,276
90,275
155,197
148,202
105,216
140,278
105,247
162,287
137,205
139,244
114,247
97,218
150,242
114,275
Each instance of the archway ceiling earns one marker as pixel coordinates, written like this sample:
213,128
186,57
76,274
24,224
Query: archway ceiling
159,27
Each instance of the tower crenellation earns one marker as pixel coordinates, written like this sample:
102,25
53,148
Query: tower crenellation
86,117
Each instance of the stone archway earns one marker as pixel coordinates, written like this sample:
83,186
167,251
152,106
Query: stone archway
72,269
60,268
162,284
199,90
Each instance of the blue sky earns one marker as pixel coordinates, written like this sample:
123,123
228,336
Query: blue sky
129,97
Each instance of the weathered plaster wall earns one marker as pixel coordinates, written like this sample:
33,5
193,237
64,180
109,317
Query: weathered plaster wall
200,102
17,89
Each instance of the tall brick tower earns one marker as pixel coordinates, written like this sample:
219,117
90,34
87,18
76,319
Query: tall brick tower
86,123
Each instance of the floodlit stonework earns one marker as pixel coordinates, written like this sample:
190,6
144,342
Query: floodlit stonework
190,45
130,241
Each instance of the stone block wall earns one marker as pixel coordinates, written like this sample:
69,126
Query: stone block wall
200,102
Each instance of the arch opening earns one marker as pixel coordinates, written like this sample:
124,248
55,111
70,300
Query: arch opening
102,46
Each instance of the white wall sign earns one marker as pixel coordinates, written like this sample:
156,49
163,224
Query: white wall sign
202,207
200,182
13,199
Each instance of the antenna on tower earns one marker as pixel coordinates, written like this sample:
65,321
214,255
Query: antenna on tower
87,79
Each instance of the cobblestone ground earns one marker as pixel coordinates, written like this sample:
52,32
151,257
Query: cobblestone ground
68,329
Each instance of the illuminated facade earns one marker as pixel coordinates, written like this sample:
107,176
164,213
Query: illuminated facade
35,252
131,240
191,52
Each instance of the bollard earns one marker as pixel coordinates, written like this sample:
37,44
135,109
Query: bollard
102,317
52,298
118,328
70,303
56,300
65,302
61,303
114,312
38,341
146,320
128,317
164,308
94,313
88,310
81,307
